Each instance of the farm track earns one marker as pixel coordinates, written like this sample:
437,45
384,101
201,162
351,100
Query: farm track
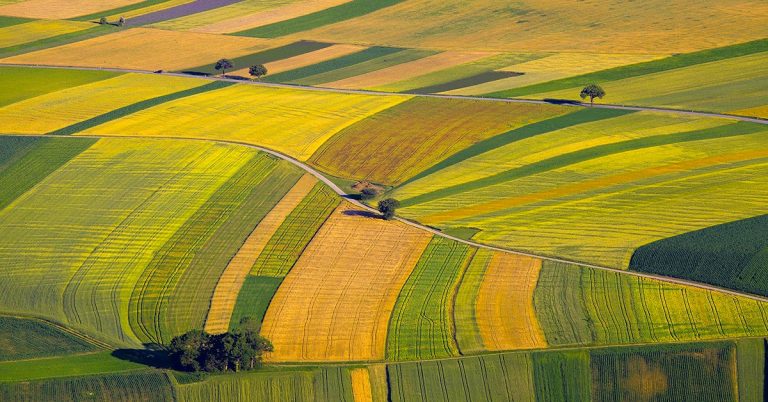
379,93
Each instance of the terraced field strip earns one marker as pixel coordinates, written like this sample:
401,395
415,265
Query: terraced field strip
30,338
562,376
64,366
461,75
696,87
178,11
504,307
173,293
736,129
332,15
231,281
335,303
135,107
143,49
521,133
134,386
503,377
132,10
35,30
405,70
305,75
56,110
53,9
232,109
422,324
361,385
676,61
267,56
368,66
10,21
17,84
281,252
585,306
396,144
555,66
203,18
468,336
252,20
32,163
89,32
481,78
311,58
750,361
732,255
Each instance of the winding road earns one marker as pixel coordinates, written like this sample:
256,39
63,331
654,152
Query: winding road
358,204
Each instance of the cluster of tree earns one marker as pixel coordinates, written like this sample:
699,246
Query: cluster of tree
120,22
257,70
239,349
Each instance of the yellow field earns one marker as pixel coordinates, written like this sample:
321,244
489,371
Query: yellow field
361,385
403,71
295,122
231,280
609,26
335,303
558,65
504,306
228,12
295,9
52,111
144,49
305,59
58,9
35,30
760,111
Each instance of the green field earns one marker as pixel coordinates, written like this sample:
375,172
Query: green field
26,338
303,75
138,386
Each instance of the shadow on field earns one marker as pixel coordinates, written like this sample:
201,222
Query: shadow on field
152,355
364,214
561,101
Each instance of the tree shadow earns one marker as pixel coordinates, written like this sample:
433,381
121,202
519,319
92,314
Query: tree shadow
561,101
364,214
196,73
153,355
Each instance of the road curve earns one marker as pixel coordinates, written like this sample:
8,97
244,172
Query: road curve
379,93
436,232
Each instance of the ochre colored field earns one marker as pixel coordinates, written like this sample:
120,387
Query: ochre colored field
35,30
144,49
294,122
217,14
558,65
335,303
57,9
295,9
361,385
610,26
228,287
305,59
55,110
402,71
760,111
398,143
505,312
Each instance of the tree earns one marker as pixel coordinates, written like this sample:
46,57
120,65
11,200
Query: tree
224,65
257,71
368,194
121,21
592,91
186,351
387,207
103,21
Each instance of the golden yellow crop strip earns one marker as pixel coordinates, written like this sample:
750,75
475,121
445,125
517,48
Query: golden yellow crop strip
35,30
335,303
361,385
55,110
504,306
231,280
295,122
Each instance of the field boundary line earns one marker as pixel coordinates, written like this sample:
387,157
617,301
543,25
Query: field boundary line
439,96
434,231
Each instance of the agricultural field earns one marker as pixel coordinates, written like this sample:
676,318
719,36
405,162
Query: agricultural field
175,229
